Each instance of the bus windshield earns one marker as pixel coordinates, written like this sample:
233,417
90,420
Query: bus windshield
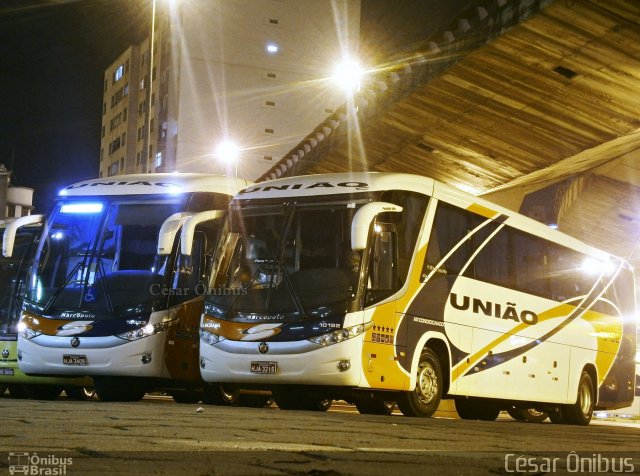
291,260
99,256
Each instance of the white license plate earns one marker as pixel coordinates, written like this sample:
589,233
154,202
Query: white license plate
75,360
264,367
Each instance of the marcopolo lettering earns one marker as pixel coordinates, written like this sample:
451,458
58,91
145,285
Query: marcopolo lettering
298,186
121,183
492,309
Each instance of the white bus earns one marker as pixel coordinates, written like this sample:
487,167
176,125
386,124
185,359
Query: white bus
382,287
116,287
13,274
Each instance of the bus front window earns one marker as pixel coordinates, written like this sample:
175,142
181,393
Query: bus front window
99,257
291,260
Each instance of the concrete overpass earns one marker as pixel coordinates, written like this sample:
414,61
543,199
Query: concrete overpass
533,103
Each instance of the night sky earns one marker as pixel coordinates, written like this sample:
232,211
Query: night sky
53,55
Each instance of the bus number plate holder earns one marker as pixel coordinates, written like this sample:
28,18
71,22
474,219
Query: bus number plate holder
264,367
74,359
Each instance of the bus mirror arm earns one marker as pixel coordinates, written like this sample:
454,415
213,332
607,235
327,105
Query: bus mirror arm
189,227
362,222
12,228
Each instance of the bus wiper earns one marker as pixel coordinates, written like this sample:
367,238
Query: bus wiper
63,286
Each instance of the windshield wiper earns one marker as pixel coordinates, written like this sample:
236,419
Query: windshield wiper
63,286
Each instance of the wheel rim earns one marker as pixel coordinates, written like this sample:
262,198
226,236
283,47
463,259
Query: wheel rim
533,412
427,384
585,400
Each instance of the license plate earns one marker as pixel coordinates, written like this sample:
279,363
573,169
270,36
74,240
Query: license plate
75,360
7,372
264,367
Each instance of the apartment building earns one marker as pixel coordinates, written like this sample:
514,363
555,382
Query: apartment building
254,72
15,202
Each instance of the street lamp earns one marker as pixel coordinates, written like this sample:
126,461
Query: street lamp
229,152
347,74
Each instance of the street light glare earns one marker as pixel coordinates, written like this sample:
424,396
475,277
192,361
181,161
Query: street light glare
228,151
347,75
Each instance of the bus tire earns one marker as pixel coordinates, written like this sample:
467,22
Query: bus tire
43,392
423,401
530,415
294,399
3,389
186,396
556,417
216,394
113,389
477,410
374,405
580,412
80,393
252,400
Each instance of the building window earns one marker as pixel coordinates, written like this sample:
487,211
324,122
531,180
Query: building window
117,76
126,89
124,114
102,131
158,159
11,211
138,158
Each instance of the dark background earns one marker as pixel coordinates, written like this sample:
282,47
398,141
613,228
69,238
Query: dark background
52,60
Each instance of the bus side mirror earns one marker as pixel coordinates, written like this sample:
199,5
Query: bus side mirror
189,227
362,222
168,231
12,228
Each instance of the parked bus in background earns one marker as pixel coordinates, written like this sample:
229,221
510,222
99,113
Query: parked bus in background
111,294
382,287
13,274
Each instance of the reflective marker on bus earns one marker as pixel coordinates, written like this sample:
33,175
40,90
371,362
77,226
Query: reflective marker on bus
379,287
115,292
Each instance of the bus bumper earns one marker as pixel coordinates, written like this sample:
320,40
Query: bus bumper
140,358
302,363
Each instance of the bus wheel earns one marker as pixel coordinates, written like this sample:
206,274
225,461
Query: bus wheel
292,399
527,414
80,393
318,404
43,392
17,391
216,394
375,405
477,410
257,400
580,413
556,417
113,389
186,396
423,401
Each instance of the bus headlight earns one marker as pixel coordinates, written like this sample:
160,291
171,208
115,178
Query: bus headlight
26,332
340,335
209,337
145,331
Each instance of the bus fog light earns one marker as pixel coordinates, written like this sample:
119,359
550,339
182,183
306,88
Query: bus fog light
344,365
19,355
146,358
202,365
